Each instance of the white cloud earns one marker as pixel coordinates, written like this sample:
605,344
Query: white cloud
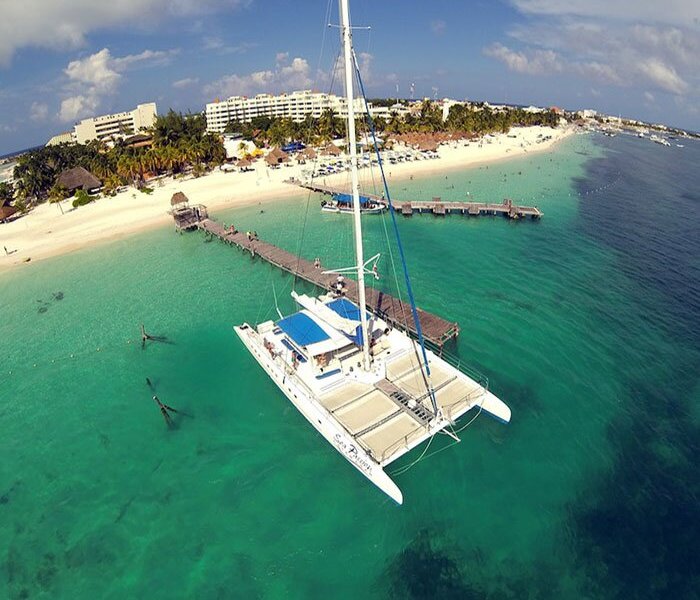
97,72
643,45
185,83
649,97
64,24
438,26
147,57
534,62
678,12
286,76
76,107
664,76
216,44
598,72
92,78
38,111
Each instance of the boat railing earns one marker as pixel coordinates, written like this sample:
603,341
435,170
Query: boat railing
468,370
447,411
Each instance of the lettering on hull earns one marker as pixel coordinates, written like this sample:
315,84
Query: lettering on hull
351,453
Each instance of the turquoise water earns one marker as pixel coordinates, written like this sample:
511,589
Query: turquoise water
586,323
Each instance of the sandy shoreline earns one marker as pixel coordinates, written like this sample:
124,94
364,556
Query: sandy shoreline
45,232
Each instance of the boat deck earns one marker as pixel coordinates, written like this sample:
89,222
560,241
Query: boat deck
393,415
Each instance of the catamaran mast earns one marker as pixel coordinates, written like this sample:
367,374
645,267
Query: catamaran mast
349,76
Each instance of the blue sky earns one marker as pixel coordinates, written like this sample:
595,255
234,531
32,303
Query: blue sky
67,59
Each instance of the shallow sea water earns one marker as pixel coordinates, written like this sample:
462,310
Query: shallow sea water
586,323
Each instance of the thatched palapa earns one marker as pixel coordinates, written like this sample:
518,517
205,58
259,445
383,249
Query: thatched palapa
6,211
78,178
276,156
178,199
330,148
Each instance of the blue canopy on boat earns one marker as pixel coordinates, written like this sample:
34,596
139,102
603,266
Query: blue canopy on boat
348,310
293,147
302,329
347,199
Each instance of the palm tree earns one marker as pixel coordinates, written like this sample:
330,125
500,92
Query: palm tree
57,194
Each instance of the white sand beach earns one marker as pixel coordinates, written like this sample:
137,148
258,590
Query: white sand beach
46,232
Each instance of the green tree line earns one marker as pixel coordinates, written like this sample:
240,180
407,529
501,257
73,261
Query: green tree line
179,141
476,119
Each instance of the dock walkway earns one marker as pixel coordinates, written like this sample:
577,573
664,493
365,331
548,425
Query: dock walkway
395,312
436,206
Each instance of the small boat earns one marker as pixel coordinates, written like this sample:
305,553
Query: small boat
342,203
659,140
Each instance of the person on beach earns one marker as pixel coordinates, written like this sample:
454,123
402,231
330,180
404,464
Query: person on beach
317,263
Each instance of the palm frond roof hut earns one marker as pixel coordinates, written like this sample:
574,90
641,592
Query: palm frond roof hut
6,211
78,178
331,148
178,198
276,156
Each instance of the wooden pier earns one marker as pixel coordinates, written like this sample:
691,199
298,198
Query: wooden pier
398,314
437,206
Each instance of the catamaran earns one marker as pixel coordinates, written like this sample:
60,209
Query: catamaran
343,203
370,389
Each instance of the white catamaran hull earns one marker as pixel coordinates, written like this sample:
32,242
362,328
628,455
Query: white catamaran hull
348,209
318,416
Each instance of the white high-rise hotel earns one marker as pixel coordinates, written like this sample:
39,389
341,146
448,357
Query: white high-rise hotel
106,126
294,105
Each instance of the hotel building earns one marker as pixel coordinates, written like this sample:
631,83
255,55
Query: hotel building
120,124
294,105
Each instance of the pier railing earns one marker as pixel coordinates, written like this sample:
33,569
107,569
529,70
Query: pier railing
436,206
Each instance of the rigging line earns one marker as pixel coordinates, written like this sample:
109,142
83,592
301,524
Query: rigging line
409,289
481,408
308,195
323,42
404,469
423,455
402,305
